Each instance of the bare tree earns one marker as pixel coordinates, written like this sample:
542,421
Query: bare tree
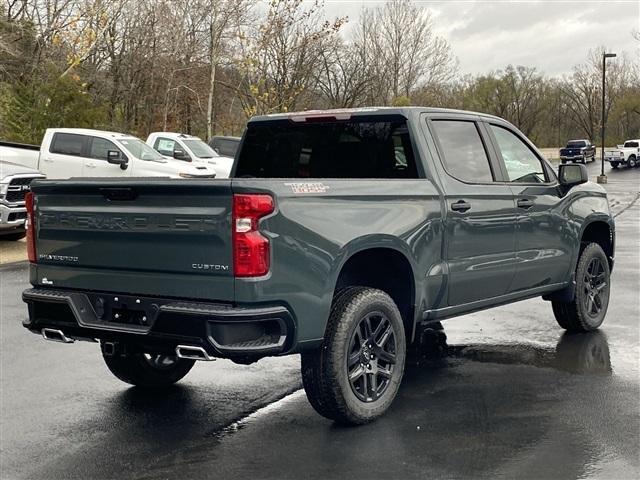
583,91
280,59
401,49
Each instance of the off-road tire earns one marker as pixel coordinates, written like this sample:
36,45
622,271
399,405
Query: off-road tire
325,371
136,369
575,316
632,162
13,237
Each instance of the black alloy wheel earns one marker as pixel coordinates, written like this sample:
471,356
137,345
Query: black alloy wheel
372,356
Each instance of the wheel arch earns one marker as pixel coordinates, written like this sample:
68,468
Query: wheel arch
384,264
602,232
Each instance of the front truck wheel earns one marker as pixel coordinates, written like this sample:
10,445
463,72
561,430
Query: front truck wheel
588,308
354,376
148,370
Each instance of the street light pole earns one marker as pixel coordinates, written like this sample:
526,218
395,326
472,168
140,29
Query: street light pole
603,178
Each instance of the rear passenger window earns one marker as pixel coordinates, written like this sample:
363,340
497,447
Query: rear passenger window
67,144
465,157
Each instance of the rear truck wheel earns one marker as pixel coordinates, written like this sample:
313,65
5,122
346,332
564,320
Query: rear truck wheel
14,237
632,162
588,308
355,375
148,370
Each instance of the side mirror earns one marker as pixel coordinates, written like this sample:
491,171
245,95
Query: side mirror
117,158
180,154
571,174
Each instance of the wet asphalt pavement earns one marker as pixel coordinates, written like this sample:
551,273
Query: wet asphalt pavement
509,395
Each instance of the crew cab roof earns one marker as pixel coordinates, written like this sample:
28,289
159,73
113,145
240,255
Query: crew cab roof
89,131
368,111
174,135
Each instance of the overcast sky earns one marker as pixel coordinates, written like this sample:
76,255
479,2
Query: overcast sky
552,35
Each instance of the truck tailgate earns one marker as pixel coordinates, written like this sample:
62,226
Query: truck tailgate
157,236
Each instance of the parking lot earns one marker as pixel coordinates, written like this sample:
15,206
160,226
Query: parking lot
509,395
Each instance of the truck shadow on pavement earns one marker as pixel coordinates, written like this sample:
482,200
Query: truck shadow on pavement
462,411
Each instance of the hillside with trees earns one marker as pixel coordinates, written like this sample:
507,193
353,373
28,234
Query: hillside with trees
205,66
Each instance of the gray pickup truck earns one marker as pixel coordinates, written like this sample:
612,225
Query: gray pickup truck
342,235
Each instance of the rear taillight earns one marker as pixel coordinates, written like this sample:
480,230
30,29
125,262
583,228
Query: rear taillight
251,252
30,225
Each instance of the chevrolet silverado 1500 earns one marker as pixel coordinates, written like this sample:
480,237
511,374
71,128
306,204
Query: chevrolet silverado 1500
341,235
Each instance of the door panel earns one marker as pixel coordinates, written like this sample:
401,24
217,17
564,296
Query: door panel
480,214
96,164
542,254
542,251
480,242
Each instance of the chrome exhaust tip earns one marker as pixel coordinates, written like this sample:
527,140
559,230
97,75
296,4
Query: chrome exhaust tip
190,352
54,335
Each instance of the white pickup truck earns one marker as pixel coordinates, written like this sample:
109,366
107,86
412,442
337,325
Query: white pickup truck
627,154
76,152
188,148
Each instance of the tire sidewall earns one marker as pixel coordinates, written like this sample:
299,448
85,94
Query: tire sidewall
377,301
589,253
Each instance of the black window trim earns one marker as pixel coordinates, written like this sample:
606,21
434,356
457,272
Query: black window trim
549,173
85,144
494,165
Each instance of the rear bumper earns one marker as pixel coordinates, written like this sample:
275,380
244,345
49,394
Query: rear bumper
152,324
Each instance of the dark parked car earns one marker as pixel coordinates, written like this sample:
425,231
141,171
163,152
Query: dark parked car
342,235
578,151
225,146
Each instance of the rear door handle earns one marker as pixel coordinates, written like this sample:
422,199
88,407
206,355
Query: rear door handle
525,203
460,206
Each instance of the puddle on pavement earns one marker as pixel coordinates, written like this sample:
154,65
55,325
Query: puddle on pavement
580,353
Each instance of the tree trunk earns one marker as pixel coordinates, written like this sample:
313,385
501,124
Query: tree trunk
212,83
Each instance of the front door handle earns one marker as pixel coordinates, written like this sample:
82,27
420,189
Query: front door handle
460,206
525,203
90,165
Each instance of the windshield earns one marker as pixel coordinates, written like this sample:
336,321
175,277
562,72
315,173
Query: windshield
576,143
140,150
200,149
631,144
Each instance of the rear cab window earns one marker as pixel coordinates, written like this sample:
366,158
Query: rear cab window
361,147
